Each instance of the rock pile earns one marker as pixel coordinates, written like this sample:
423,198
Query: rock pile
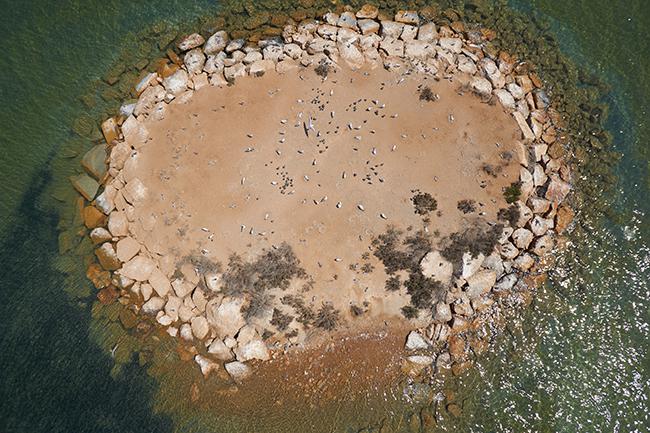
196,311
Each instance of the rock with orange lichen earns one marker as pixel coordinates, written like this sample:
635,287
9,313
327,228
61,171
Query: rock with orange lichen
98,276
93,217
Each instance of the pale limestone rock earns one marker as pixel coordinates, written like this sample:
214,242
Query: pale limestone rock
525,214
201,80
216,43
252,57
506,99
392,47
185,313
177,83
435,266
219,350
463,306
495,263
148,99
135,133
480,283
235,71
118,224
516,91
508,251
138,268
422,360
522,238
238,370
200,327
127,248
351,54
226,318
159,282
164,319
292,50
408,33
481,86
259,68
105,201
235,44
172,306
466,65
153,305
347,20
182,287
327,31
172,331
539,150
539,177
506,283
134,191
471,264
369,41
254,349
215,63
192,41
217,79
194,61
146,291
539,205
427,32
119,154
524,262
213,281
151,79
368,27
415,341
557,190
273,52
206,365
391,29
539,225
442,313
454,45
199,300
419,49
320,45
526,132
543,245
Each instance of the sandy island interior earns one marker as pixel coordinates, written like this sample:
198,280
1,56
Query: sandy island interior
238,169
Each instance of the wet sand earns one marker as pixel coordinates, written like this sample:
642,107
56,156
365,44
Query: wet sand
237,170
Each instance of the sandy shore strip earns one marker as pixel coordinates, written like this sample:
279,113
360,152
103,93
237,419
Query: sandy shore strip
353,172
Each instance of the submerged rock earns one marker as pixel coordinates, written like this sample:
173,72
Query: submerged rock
238,370
85,185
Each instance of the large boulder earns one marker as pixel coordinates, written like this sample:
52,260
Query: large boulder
177,82
480,283
415,341
254,349
107,257
226,318
138,268
238,370
159,282
127,248
435,266
194,61
200,327
351,54
191,41
219,350
217,42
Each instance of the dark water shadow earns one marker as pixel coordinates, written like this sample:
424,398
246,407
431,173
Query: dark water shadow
53,378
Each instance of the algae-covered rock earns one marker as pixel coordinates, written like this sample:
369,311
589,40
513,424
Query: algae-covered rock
94,161
85,185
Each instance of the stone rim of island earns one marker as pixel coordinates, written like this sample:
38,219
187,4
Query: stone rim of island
362,39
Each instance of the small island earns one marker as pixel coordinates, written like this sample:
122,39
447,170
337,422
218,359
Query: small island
356,176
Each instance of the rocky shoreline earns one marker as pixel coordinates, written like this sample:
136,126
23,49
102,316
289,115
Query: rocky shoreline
358,39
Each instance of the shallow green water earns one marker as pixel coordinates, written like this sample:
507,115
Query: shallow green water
576,361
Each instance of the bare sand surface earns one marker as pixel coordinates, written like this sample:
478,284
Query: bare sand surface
238,169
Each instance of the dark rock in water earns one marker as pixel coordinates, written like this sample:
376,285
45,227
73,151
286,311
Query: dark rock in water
94,161
86,185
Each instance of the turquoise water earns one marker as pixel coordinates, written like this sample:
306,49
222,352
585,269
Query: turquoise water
577,360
